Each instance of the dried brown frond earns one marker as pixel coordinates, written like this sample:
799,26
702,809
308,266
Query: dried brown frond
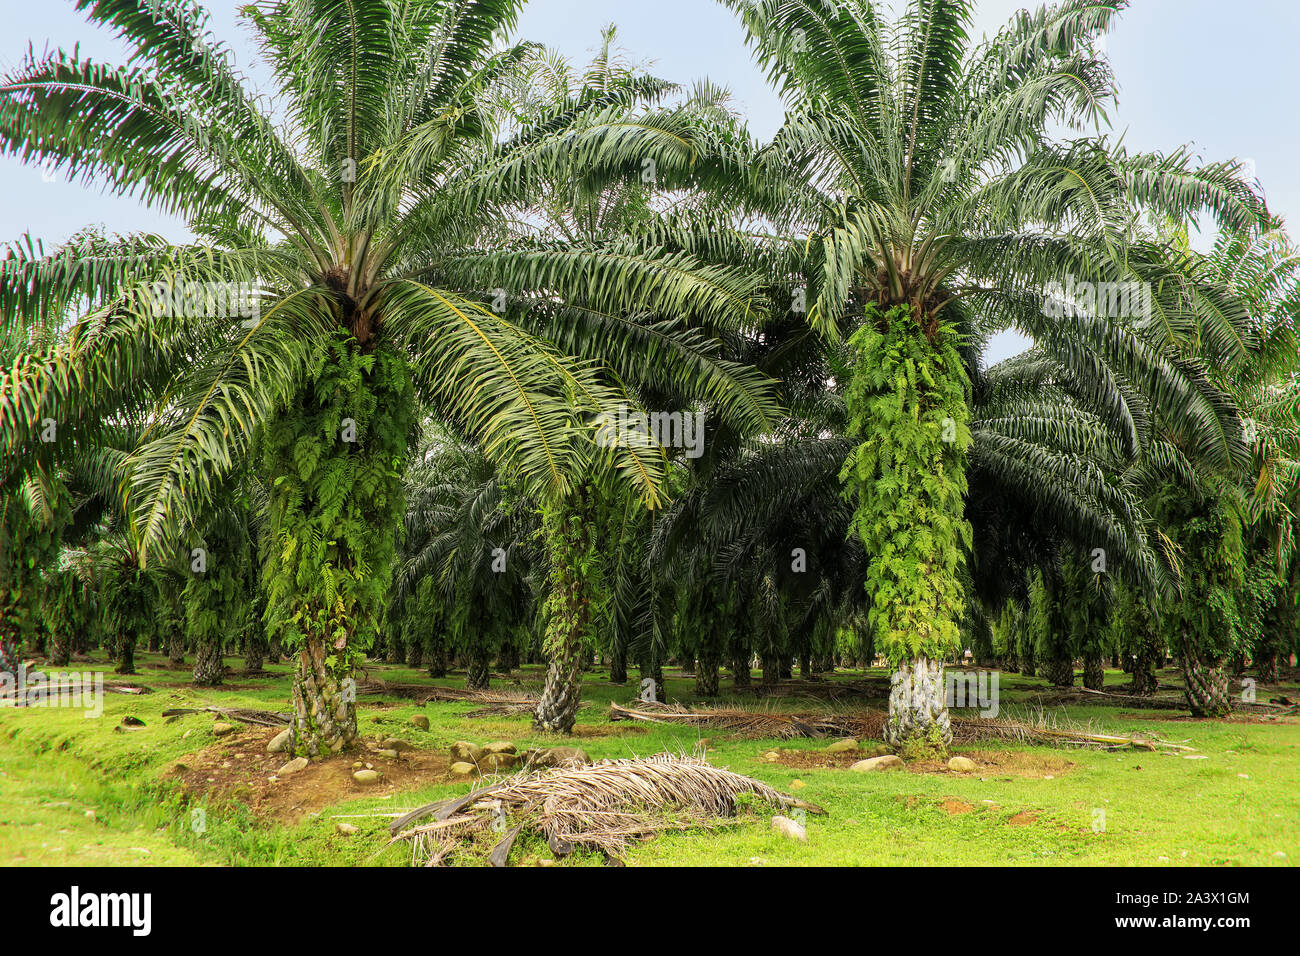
607,806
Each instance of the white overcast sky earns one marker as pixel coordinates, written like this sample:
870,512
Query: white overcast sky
1221,75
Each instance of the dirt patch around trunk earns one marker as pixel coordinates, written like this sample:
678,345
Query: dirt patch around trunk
237,769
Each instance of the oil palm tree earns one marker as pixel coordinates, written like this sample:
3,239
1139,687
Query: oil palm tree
356,226
936,208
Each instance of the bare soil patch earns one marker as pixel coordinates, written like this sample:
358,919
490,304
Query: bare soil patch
237,768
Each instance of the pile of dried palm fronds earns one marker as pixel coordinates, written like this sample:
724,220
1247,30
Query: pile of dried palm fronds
604,807
260,718
1036,728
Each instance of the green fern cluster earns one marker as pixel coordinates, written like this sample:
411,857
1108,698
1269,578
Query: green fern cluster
907,404
334,464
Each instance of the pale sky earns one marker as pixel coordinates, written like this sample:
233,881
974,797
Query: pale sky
1222,76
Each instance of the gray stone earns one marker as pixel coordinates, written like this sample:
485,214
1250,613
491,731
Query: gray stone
366,778
293,766
500,747
463,769
466,751
421,721
962,765
789,829
887,762
843,746
220,729
280,742
347,829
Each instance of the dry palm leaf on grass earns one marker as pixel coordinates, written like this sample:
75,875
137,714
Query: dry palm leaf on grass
1035,728
757,722
605,807
495,703
259,718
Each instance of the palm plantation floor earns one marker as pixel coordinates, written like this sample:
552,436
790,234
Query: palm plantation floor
84,792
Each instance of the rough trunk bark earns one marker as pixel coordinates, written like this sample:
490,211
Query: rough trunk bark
771,670
1207,686
706,675
254,651
740,672
437,658
325,711
1094,673
478,675
414,654
1143,668
209,669
1060,671
508,660
918,724
557,711
60,649
618,667
125,655
1266,667
176,648
393,652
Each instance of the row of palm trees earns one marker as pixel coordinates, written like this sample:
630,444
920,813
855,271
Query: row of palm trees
454,236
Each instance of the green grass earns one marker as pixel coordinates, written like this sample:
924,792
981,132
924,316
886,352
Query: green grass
56,765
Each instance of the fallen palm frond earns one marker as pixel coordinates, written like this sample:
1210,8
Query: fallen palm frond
754,723
260,718
33,691
607,807
868,724
1084,695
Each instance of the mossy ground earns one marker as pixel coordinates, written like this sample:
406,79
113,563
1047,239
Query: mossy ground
78,791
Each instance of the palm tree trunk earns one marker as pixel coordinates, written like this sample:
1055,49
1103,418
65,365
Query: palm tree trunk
571,534
60,648
706,674
209,669
125,654
254,648
1094,672
393,652
436,656
325,716
1143,669
557,711
1207,685
618,666
740,671
478,675
414,654
176,648
918,724
1266,668
1060,671
508,658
